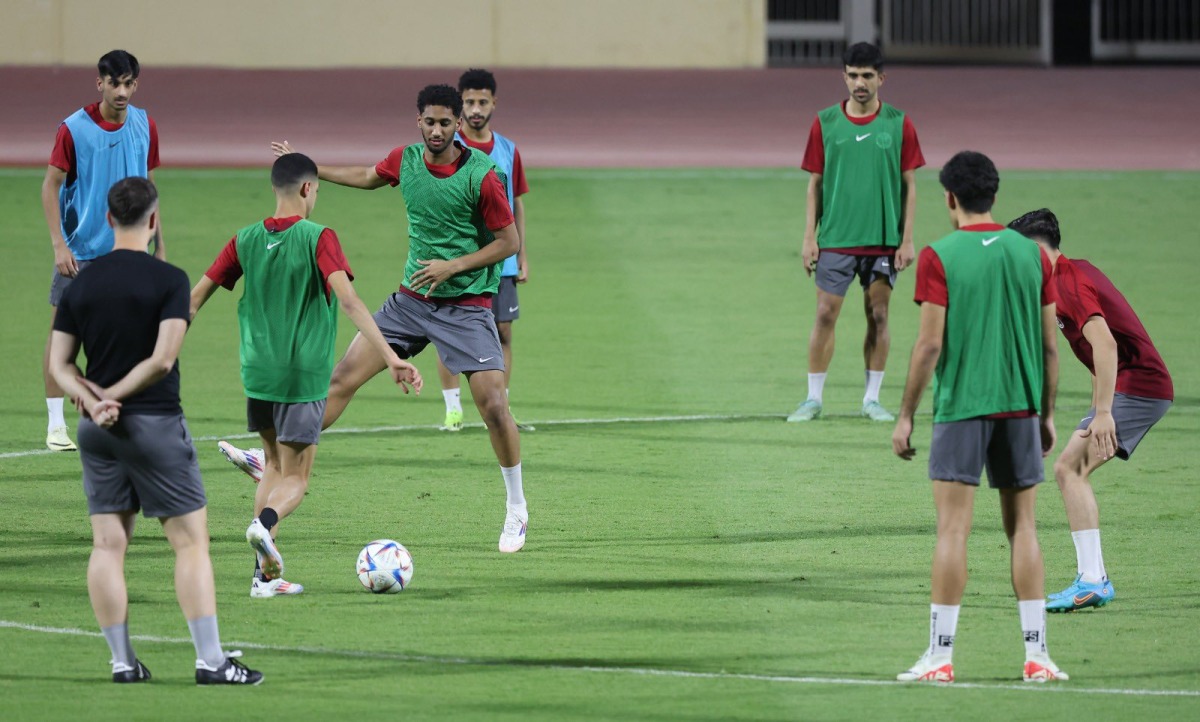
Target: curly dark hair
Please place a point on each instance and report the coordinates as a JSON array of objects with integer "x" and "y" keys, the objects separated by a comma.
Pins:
[
  {"x": 973, "y": 179},
  {"x": 477, "y": 79},
  {"x": 1042, "y": 224},
  {"x": 443, "y": 95}
]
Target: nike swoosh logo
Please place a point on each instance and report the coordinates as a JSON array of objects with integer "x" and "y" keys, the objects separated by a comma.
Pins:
[
  {"x": 513, "y": 309},
  {"x": 988, "y": 241},
  {"x": 110, "y": 145},
  {"x": 1084, "y": 599},
  {"x": 485, "y": 360},
  {"x": 884, "y": 264},
  {"x": 841, "y": 140},
  {"x": 272, "y": 245},
  {"x": 862, "y": 137}
]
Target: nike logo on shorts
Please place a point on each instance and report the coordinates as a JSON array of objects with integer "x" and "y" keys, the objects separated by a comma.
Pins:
[
  {"x": 513, "y": 309},
  {"x": 485, "y": 360}
]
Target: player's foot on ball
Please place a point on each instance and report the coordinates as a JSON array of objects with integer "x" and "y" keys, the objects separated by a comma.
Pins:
[
  {"x": 248, "y": 460},
  {"x": 1040, "y": 668},
  {"x": 929, "y": 668},
  {"x": 453, "y": 422},
  {"x": 512, "y": 537},
  {"x": 57, "y": 440},
  {"x": 124, "y": 674},
  {"x": 230, "y": 672},
  {"x": 874, "y": 411},
  {"x": 263, "y": 588},
  {"x": 521, "y": 425},
  {"x": 1081, "y": 595},
  {"x": 807, "y": 411},
  {"x": 269, "y": 557}
]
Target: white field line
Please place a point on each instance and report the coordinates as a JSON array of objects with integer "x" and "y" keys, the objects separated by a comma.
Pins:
[
  {"x": 477, "y": 425},
  {"x": 1063, "y": 688}
]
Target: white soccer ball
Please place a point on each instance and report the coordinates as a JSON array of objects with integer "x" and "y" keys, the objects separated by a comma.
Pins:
[{"x": 385, "y": 567}]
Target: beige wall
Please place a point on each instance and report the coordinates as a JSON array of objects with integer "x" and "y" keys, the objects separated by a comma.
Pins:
[{"x": 327, "y": 33}]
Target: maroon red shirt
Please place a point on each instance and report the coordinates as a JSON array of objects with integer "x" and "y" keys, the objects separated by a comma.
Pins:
[
  {"x": 226, "y": 270},
  {"x": 62, "y": 155},
  {"x": 1083, "y": 292},
  {"x": 493, "y": 196}
]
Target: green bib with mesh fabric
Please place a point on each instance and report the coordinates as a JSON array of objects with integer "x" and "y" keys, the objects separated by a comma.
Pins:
[
  {"x": 444, "y": 221},
  {"x": 991, "y": 361},
  {"x": 861, "y": 190},
  {"x": 287, "y": 325}
]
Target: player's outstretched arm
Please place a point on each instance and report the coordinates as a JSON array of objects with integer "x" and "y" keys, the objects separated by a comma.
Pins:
[
  {"x": 925, "y": 354},
  {"x": 64, "y": 260},
  {"x": 433, "y": 273},
  {"x": 201, "y": 292},
  {"x": 809, "y": 251},
  {"x": 152, "y": 370},
  {"x": 1049, "y": 376},
  {"x": 403, "y": 373},
  {"x": 64, "y": 349},
  {"x": 355, "y": 176}
]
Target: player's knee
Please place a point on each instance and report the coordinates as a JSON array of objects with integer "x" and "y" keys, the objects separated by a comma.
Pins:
[
  {"x": 493, "y": 408},
  {"x": 877, "y": 316},
  {"x": 1066, "y": 471},
  {"x": 110, "y": 543},
  {"x": 827, "y": 314}
]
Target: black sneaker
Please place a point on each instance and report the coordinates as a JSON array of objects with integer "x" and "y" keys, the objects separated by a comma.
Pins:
[
  {"x": 231, "y": 672},
  {"x": 138, "y": 673}
]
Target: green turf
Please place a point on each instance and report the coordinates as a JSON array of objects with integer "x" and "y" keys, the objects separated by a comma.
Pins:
[{"x": 751, "y": 551}]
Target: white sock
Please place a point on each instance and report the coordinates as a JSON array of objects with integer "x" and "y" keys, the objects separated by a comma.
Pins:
[
  {"x": 943, "y": 620},
  {"x": 1033, "y": 625},
  {"x": 816, "y": 387},
  {"x": 512, "y": 483},
  {"x": 874, "y": 382},
  {"x": 55, "y": 407},
  {"x": 1088, "y": 556},
  {"x": 453, "y": 399}
]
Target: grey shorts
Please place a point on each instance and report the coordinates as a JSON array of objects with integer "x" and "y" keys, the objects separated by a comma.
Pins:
[
  {"x": 293, "y": 423},
  {"x": 505, "y": 307},
  {"x": 1134, "y": 416},
  {"x": 465, "y": 336},
  {"x": 1011, "y": 449},
  {"x": 835, "y": 271},
  {"x": 59, "y": 283},
  {"x": 142, "y": 462}
]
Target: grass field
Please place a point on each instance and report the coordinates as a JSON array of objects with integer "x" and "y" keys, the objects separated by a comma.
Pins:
[{"x": 730, "y": 567}]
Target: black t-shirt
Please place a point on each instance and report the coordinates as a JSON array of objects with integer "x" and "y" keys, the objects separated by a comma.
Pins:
[{"x": 114, "y": 307}]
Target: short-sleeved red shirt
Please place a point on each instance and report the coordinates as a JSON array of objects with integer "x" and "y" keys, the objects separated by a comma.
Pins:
[
  {"x": 1083, "y": 292},
  {"x": 493, "y": 196},
  {"x": 62, "y": 155},
  {"x": 226, "y": 270},
  {"x": 520, "y": 185}
]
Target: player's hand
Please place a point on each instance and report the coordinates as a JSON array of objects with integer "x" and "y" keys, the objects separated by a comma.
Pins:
[
  {"x": 65, "y": 263},
  {"x": 522, "y": 271},
  {"x": 1103, "y": 433},
  {"x": 405, "y": 375},
  {"x": 1048, "y": 436},
  {"x": 281, "y": 148},
  {"x": 904, "y": 255},
  {"x": 902, "y": 439},
  {"x": 105, "y": 412},
  {"x": 432, "y": 274},
  {"x": 809, "y": 252}
]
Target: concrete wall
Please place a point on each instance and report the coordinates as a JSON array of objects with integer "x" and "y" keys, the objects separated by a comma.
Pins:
[{"x": 388, "y": 33}]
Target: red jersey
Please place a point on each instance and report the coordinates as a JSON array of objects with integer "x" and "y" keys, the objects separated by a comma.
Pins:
[
  {"x": 493, "y": 196},
  {"x": 226, "y": 270},
  {"x": 62, "y": 156},
  {"x": 1083, "y": 292}
]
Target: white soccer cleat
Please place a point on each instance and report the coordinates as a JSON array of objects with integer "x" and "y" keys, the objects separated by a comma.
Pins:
[
  {"x": 512, "y": 537},
  {"x": 270, "y": 560},
  {"x": 57, "y": 440},
  {"x": 263, "y": 588},
  {"x": 248, "y": 460},
  {"x": 929, "y": 668},
  {"x": 1040, "y": 668}
]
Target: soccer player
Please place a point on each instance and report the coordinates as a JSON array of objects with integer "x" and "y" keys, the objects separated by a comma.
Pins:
[
  {"x": 1131, "y": 391},
  {"x": 96, "y": 146},
  {"x": 987, "y": 337},
  {"x": 294, "y": 269},
  {"x": 129, "y": 311},
  {"x": 478, "y": 88},
  {"x": 862, "y": 193},
  {"x": 460, "y": 229}
]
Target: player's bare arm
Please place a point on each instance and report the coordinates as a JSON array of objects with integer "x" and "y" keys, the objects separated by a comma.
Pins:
[
  {"x": 403, "y": 373},
  {"x": 64, "y": 260},
  {"x": 64, "y": 350},
  {"x": 201, "y": 292},
  {"x": 1103, "y": 429},
  {"x": 1049, "y": 376},
  {"x": 160, "y": 249},
  {"x": 812, "y": 212},
  {"x": 925, "y": 354},
  {"x": 519, "y": 219},
  {"x": 152, "y": 370},
  {"x": 352, "y": 176},
  {"x": 907, "y": 250},
  {"x": 434, "y": 273}
]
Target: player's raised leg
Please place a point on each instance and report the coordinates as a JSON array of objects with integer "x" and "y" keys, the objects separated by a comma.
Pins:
[
  {"x": 360, "y": 364},
  {"x": 1072, "y": 471},
  {"x": 487, "y": 388}
]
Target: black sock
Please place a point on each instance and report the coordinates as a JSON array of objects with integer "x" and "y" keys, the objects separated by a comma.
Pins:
[{"x": 269, "y": 518}]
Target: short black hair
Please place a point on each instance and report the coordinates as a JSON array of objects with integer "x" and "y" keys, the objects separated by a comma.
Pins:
[
  {"x": 973, "y": 179},
  {"x": 442, "y": 95},
  {"x": 292, "y": 169},
  {"x": 863, "y": 55},
  {"x": 130, "y": 200},
  {"x": 1042, "y": 224},
  {"x": 117, "y": 64},
  {"x": 477, "y": 79}
]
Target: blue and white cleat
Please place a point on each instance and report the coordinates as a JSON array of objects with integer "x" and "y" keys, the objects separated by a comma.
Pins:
[{"x": 1081, "y": 595}]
